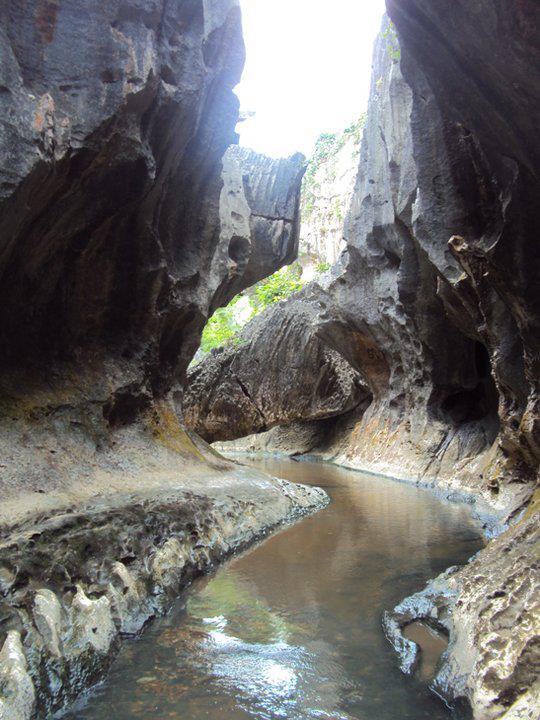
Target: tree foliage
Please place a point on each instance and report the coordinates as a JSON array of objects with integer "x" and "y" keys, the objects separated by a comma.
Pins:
[
  {"x": 225, "y": 324},
  {"x": 322, "y": 267},
  {"x": 392, "y": 44},
  {"x": 275, "y": 288},
  {"x": 221, "y": 328}
]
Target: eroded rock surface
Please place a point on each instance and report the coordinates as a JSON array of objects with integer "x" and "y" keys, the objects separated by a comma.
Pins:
[
  {"x": 415, "y": 310},
  {"x": 72, "y": 582},
  {"x": 123, "y": 227},
  {"x": 278, "y": 371},
  {"x": 491, "y": 611},
  {"x": 326, "y": 195}
]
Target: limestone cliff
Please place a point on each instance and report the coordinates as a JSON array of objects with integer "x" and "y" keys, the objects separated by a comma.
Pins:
[
  {"x": 402, "y": 305},
  {"x": 326, "y": 195},
  {"x": 121, "y": 228}
]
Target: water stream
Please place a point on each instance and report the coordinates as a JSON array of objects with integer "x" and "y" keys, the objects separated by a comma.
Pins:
[{"x": 292, "y": 628}]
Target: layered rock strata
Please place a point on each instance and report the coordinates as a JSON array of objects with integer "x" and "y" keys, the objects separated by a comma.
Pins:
[{"x": 124, "y": 223}]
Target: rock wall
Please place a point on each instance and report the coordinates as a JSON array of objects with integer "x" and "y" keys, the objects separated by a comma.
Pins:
[
  {"x": 121, "y": 227},
  {"x": 124, "y": 223},
  {"x": 410, "y": 303}
]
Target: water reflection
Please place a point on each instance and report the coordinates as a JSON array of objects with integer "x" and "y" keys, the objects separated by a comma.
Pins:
[{"x": 292, "y": 628}]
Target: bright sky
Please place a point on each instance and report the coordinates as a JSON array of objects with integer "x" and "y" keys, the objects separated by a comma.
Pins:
[{"x": 308, "y": 70}]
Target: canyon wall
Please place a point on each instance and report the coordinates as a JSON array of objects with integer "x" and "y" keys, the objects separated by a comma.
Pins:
[
  {"x": 326, "y": 195},
  {"x": 125, "y": 221},
  {"x": 414, "y": 307},
  {"x": 435, "y": 304}
]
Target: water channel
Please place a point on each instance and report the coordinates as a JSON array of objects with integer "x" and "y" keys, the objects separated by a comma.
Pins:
[{"x": 292, "y": 628}]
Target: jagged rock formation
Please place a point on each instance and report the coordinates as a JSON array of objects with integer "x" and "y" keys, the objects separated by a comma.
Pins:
[
  {"x": 122, "y": 228},
  {"x": 73, "y": 580},
  {"x": 435, "y": 302},
  {"x": 113, "y": 251},
  {"x": 398, "y": 307},
  {"x": 281, "y": 373}
]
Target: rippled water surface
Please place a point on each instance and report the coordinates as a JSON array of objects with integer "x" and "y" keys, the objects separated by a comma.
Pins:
[{"x": 292, "y": 628}]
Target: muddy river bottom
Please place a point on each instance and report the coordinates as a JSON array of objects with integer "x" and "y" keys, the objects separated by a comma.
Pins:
[{"x": 292, "y": 628}]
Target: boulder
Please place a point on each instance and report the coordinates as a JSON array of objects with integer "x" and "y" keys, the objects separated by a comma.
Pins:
[{"x": 277, "y": 371}]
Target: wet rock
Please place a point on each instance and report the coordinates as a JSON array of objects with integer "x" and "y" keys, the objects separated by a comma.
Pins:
[
  {"x": 17, "y": 695},
  {"x": 91, "y": 624},
  {"x": 490, "y": 609},
  {"x": 49, "y": 620},
  {"x": 85, "y": 577},
  {"x": 168, "y": 564},
  {"x": 127, "y": 596}
]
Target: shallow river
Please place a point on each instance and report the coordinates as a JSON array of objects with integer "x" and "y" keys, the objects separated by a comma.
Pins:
[{"x": 292, "y": 628}]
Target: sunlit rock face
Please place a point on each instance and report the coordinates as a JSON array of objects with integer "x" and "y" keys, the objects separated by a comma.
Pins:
[
  {"x": 326, "y": 196},
  {"x": 435, "y": 304},
  {"x": 419, "y": 303}
]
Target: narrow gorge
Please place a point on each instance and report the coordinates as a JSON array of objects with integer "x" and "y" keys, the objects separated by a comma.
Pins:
[{"x": 408, "y": 362}]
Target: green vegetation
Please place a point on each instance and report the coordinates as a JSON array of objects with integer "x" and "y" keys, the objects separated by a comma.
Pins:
[
  {"x": 392, "y": 46},
  {"x": 322, "y": 267},
  {"x": 221, "y": 328},
  {"x": 277, "y": 287},
  {"x": 225, "y": 324},
  {"x": 325, "y": 152}
]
